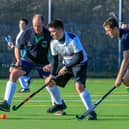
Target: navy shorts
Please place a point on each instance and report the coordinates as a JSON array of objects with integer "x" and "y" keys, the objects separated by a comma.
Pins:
[
  {"x": 78, "y": 73},
  {"x": 28, "y": 66}
]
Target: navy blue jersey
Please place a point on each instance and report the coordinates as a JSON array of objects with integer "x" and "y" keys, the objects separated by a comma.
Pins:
[
  {"x": 124, "y": 35},
  {"x": 36, "y": 46}
]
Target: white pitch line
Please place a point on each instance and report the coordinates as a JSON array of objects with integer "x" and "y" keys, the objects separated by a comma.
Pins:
[
  {"x": 96, "y": 95},
  {"x": 74, "y": 100}
]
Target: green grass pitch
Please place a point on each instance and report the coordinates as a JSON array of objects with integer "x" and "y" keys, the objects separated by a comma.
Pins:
[{"x": 113, "y": 112}]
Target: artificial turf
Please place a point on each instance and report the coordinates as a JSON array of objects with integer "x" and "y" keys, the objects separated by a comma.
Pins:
[{"x": 113, "y": 112}]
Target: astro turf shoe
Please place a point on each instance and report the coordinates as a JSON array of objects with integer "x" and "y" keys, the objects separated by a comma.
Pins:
[
  {"x": 57, "y": 107},
  {"x": 24, "y": 90},
  {"x": 92, "y": 116},
  {"x": 4, "y": 106},
  {"x": 60, "y": 113}
]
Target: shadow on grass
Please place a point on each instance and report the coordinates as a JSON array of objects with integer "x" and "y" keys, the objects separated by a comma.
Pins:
[
  {"x": 65, "y": 117},
  {"x": 43, "y": 118}
]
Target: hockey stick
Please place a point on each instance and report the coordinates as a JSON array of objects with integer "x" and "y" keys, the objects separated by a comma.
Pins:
[
  {"x": 85, "y": 114},
  {"x": 14, "y": 108}
]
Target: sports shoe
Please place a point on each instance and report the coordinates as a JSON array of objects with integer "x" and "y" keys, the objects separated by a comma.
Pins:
[
  {"x": 57, "y": 107},
  {"x": 60, "y": 113},
  {"x": 4, "y": 106},
  {"x": 92, "y": 116},
  {"x": 24, "y": 90}
]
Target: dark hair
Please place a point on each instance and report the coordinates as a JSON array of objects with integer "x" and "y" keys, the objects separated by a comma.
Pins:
[
  {"x": 25, "y": 20},
  {"x": 57, "y": 23},
  {"x": 111, "y": 22}
]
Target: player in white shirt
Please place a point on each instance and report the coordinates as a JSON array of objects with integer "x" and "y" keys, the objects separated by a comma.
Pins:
[
  {"x": 23, "y": 80},
  {"x": 74, "y": 62}
]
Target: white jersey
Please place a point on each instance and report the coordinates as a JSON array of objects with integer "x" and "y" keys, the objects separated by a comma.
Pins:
[
  {"x": 18, "y": 36},
  {"x": 16, "y": 42},
  {"x": 67, "y": 49}
]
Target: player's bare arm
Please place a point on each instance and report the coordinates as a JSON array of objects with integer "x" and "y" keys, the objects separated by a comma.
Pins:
[
  {"x": 123, "y": 68},
  {"x": 18, "y": 57}
]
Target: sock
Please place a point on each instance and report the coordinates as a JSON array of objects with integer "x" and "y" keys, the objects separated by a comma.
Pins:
[
  {"x": 86, "y": 99},
  {"x": 26, "y": 78},
  {"x": 9, "y": 91},
  {"x": 23, "y": 82},
  {"x": 52, "y": 99},
  {"x": 55, "y": 94}
]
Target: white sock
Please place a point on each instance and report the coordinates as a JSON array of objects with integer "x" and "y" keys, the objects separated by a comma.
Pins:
[
  {"x": 9, "y": 91},
  {"x": 86, "y": 99},
  {"x": 23, "y": 82},
  {"x": 55, "y": 94},
  {"x": 52, "y": 99},
  {"x": 26, "y": 78}
]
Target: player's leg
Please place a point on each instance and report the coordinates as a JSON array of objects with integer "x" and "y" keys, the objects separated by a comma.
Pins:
[
  {"x": 11, "y": 85},
  {"x": 24, "y": 85},
  {"x": 86, "y": 99},
  {"x": 54, "y": 93},
  {"x": 80, "y": 78},
  {"x": 59, "y": 107},
  {"x": 27, "y": 79},
  {"x": 52, "y": 98},
  {"x": 57, "y": 102},
  {"x": 10, "y": 89},
  {"x": 23, "y": 80}
]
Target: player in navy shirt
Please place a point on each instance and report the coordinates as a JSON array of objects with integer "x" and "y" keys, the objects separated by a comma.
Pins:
[
  {"x": 113, "y": 31},
  {"x": 35, "y": 41}
]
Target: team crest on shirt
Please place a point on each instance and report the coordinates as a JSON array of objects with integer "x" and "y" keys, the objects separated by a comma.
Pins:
[{"x": 44, "y": 44}]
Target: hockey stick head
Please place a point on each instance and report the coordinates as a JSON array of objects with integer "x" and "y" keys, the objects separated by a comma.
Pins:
[
  {"x": 80, "y": 117},
  {"x": 14, "y": 108}
]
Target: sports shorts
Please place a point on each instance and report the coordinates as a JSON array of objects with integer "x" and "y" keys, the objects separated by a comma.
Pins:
[
  {"x": 77, "y": 73},
  {"x": 28, "y": 66}
]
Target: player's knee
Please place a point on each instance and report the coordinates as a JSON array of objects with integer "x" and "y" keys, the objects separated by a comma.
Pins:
[
  {"x": 51, "y": 83},
  {"x": 79, "y": 87},
  {"x": 15, "y": 74}
]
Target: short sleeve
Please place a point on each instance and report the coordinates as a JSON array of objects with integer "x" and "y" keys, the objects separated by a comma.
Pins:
[{"x": 125, "y": 42}]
